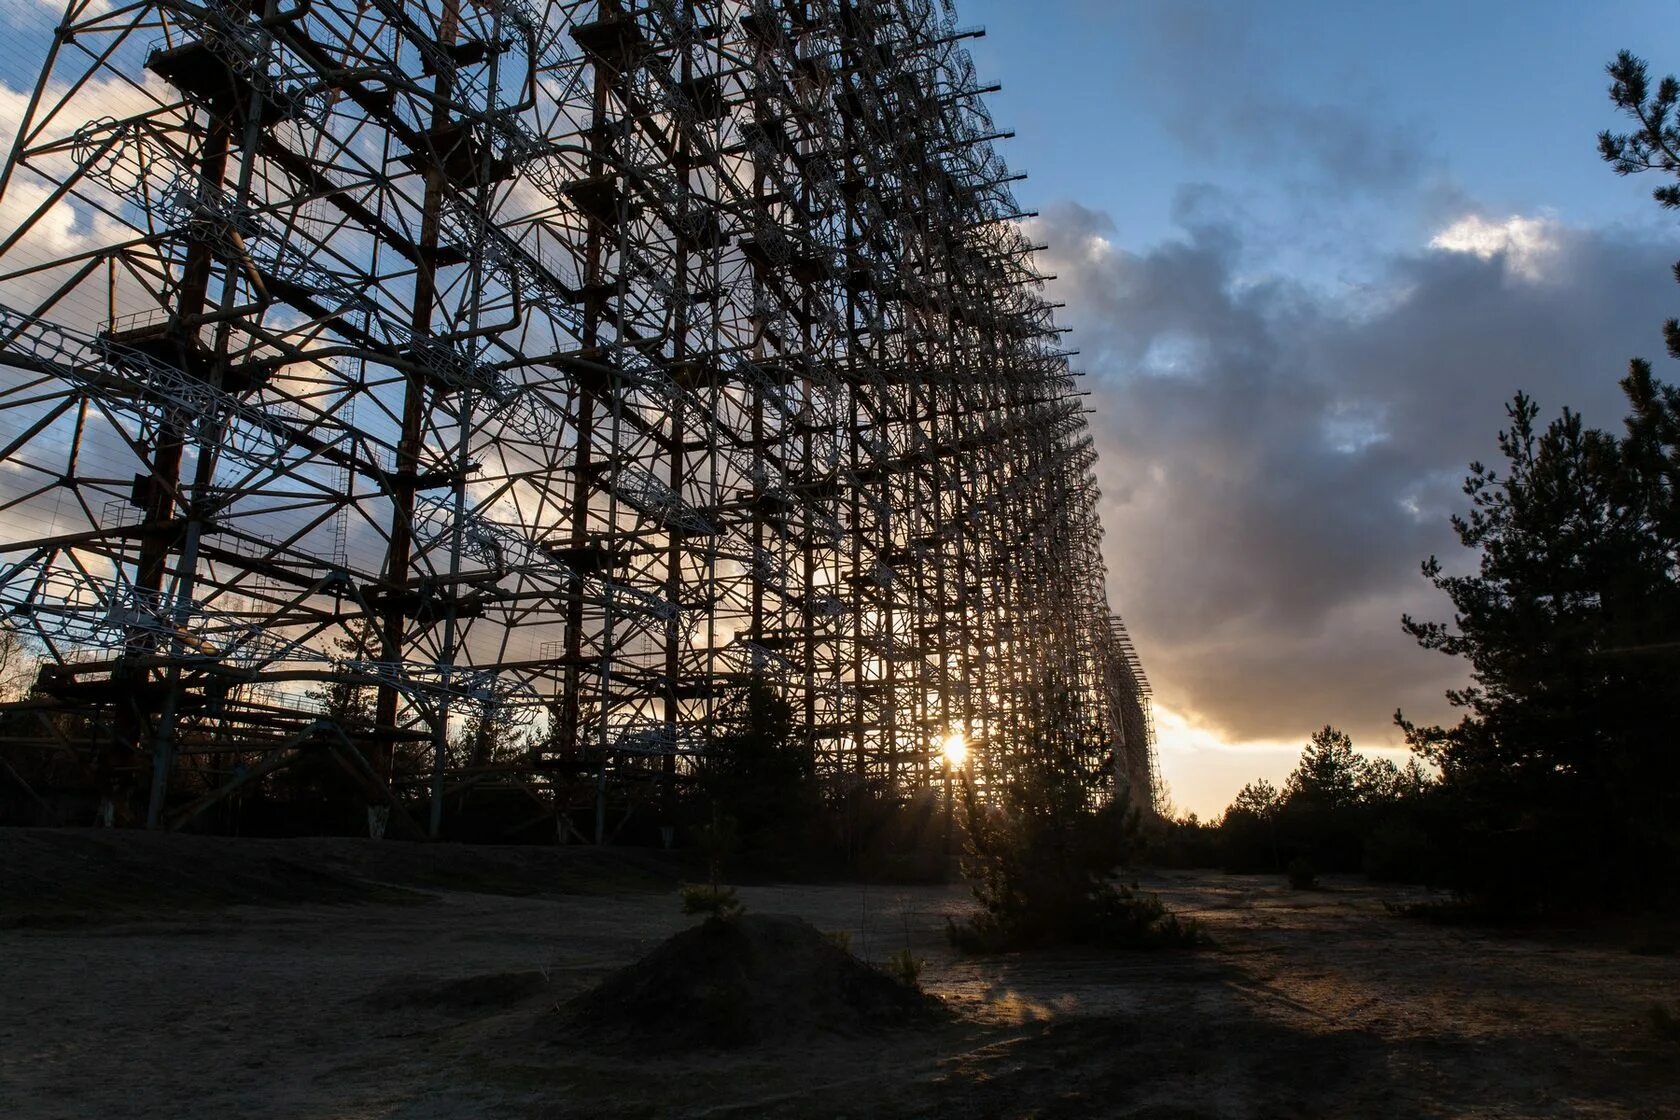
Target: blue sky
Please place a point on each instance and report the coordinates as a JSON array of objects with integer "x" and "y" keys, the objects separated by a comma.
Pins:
[
  {"x": 1118, "y": 104},
  {"x": 1308, "y": 251}
]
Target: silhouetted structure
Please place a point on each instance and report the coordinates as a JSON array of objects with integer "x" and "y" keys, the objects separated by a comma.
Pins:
[{"x": 419, "y": 378}]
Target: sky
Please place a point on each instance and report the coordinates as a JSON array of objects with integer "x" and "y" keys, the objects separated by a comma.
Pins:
[{"x": 1308, "y": 252}]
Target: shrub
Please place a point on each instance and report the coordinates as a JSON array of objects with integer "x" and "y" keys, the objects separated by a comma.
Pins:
[
  {"x": 1038, "y": 864},
  {"x": 1303, "y": 876},
  {"x": 905, "y": 967},
  {"x": 711, "y": 898},
  {"x": 717, "y": 903}
]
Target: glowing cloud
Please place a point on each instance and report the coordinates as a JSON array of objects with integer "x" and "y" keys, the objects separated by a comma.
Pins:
[{"x": 1528, "y": 245}]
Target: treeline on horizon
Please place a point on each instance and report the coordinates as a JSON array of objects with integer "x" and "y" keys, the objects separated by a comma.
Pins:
[{"x": 1558, "y": 790}]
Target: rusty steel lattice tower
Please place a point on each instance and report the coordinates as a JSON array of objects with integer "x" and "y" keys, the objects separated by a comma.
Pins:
[{"x": 396, "y": 381}]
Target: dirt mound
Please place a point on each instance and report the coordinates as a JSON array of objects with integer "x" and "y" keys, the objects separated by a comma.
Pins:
[
  {"x": 464, "y": 996},
  {"x": 733, "y": 983}
]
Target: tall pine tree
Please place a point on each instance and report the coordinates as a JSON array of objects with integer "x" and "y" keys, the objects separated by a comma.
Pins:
[{"x": 1566, "y": 764}]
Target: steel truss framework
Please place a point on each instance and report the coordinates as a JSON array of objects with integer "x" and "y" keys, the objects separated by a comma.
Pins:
[{"x": 542, "y": 364}]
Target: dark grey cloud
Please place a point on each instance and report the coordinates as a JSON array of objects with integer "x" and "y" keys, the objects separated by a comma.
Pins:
[
  {"x": 1277, "y": 460},
  {"x": 1218, "y": 91}
]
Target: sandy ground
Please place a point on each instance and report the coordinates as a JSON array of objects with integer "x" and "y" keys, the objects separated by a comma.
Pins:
[{"x": 176, "y": 977}]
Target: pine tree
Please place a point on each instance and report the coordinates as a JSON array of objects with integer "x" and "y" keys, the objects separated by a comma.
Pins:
[
  {"x": 1653, "y": 146},
  {"x": 762, "y": 773},
  {"x": 1256, "y": 799},
  {"x": 1329, "y": 772},
  {"x": 1563, "y": 764}
]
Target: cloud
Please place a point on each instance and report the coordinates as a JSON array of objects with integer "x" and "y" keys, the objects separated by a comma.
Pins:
[
  {"x": 1529, "y": 246},
  {"x": 1276, "y": 461},
  {"x": 1219, "y": 89}
]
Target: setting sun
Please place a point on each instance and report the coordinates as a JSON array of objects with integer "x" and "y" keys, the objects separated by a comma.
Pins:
[{"x": 955, "y": 749}]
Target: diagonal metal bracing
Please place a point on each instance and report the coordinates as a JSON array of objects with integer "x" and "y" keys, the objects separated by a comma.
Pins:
[{"x": 467, "y": 373}]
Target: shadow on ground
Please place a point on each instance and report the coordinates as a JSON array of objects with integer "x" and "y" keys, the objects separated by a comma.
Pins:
[{"x": 182, "y": 977}]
